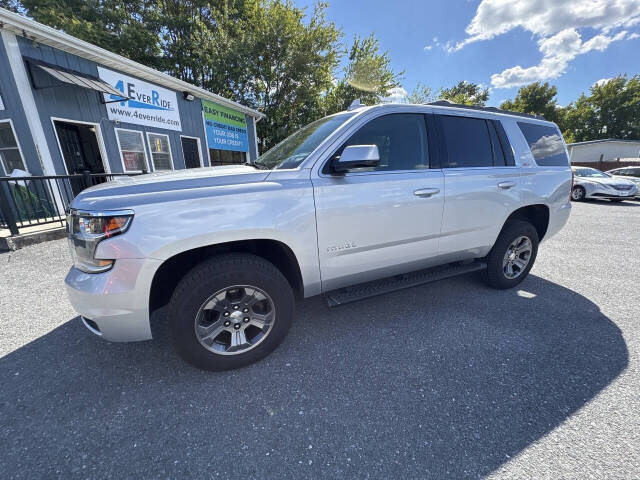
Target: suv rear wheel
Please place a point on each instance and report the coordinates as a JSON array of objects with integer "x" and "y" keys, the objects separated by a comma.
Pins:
[
  {"x": 230, "y": 311},
  {"x": 512, "y": 256}
]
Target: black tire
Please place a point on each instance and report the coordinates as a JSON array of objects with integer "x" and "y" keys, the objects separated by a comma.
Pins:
[
  {"x": 578, "y": 193},
  {"x": 211, "y": 276},
  {"x": 495, "y": 275}
]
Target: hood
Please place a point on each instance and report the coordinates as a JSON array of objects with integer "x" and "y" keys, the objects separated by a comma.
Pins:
[
  {"x": 127, "y": 192},
  {"x": 610, "y": 181}
]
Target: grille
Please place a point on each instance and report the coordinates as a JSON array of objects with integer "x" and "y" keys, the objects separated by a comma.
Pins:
[{"x": 623, "y": 187}]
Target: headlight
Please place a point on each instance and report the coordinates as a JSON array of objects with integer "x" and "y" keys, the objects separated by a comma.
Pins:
[{"x": 87, "y": 229}]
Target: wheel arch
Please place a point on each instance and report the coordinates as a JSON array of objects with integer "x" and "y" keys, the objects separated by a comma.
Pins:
[
  {"x": 537, "y": 215},
  {"x": 173, "y": 269}
]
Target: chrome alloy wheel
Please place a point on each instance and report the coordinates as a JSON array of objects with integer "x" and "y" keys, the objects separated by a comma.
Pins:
[
  {"x": 235, "y": 319},
  {"x": 517, "y": 257},
  {"x": 577, "y": 193}
]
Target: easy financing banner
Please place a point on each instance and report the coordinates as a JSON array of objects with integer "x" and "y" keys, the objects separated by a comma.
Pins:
[{"x": 226, "y": 128}]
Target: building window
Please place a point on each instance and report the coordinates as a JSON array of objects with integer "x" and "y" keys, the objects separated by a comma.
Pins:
[
  {"x": 191, "y": 151},
  {"x": 160, "y": 151},
  {"x": 132, "y": 152},
  {"x": 226, "y": 157},
  {"x": 10, "y": 155}
]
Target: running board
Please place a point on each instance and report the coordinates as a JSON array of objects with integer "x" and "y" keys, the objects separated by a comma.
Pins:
[{"x": 398, "y": 282}]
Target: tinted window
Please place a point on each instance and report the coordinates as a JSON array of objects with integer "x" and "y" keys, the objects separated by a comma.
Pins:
[
  {"x": 504, "y": 140},
  {"x": 401, "y": 139},
  {"x": 545, "y": 143},
  {"x": 498, "y": 152},
  {"x": 467, "y": 141}
]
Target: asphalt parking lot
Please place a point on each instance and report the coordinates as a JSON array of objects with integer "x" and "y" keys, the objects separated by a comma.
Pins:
[{"x": 447, "y": 380}]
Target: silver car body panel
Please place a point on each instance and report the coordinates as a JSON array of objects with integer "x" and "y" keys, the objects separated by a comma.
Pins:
[{"x": 341, "y": 229}]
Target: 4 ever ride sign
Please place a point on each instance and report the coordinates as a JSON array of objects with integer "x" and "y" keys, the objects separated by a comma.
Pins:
[
  {"x": 142, "y": 103},
  {"x": 226, "y": 128}
]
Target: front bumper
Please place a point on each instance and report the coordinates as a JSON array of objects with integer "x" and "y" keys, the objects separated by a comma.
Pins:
[
  {"x": 605, "y": 193},
  {"x": 115, "y": 304}
]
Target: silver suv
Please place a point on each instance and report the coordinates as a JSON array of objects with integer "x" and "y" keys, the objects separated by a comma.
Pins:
[{"x": 354, "y": 204}]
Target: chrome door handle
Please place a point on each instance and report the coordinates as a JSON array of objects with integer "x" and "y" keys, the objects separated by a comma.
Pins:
[
  {"x": 426, "y": 192},
  {"x": 506, "y": 185}
]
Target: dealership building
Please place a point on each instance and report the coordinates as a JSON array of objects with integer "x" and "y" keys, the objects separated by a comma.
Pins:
[{"x": 67, "y": 106}]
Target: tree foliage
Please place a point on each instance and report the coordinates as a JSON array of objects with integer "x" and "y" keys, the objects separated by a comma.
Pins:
[
  {"x": 368, "y": 76},
  {"x": 536, "y": 98},
  {"x": 421, "y": 94},
  {"x": 465, "y": 93},
  {"x": 266, "y": 54},
  {"x": 610, "y": 110}
]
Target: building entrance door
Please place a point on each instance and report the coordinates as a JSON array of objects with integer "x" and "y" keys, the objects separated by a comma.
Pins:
[{"x": 80, "y": 150}]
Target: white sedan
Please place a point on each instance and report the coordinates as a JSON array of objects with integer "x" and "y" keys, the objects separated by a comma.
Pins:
[
  {"x": 589, "y": 183},
  {"x": 628, "y": 173}
]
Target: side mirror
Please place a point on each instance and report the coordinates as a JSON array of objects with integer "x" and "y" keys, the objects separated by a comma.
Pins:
[{"x": 356, "y": 156}]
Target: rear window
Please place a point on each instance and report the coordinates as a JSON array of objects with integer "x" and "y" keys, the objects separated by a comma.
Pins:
[{"x": 545, "y": 143}]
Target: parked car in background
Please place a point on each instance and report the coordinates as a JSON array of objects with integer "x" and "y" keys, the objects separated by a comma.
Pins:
[
  {"x": 590, "y": 183},
  {"x": 628, "y": 173},
  {"x": 390, "y": 195}
]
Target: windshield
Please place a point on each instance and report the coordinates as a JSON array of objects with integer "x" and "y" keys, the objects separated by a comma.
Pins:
[
  {"x": 589, "y": 172},
  {"x": 291, "y": 152}
]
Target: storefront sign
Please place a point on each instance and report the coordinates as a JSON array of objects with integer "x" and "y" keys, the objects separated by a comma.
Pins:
[
  {"x": 147, "y": 104},
  {"x": 226, "y": 128}
]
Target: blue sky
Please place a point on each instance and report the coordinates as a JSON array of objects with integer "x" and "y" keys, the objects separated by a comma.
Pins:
[{"x": 499, "y": 43}]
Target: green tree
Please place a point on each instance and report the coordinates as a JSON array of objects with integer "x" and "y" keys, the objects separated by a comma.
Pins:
[
  {"x": 611, "y": 110},
  {"x": 121, "y": 26},
  {"x": 465, "y": 93},
  {"x": 368, "y": 76},
  {"x": 536, "y": 98},
  {"x": 288, "y": 65},
  {"x": 421, "y": 94}
]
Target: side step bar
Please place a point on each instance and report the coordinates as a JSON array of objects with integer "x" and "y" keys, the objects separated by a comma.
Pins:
[{"x": 391, "y": 284}]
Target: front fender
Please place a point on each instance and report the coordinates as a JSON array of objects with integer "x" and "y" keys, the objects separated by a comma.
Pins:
[{"x": 283, "y": 211}]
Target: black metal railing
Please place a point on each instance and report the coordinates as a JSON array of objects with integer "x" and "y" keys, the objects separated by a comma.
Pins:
[{"x": 42, "y": 200}]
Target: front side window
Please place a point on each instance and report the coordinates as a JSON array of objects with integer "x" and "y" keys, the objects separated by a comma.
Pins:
[
  {"x": 160, "y": 151},
  {"x": 545, "y": 143},
  {"x": 9, "y": 151},
  {"x": 467, "y": 141},
  {"x": 132, "y": 152},
  {"x": 401, "y": 139}
]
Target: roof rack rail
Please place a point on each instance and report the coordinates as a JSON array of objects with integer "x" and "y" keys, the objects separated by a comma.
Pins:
[{"x": 447, "y": 103}]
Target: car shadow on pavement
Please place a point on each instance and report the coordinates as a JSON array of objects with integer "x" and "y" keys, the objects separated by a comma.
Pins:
[{"x": 448, "y": 380}]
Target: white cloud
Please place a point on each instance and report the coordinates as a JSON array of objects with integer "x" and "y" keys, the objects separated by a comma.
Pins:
[
  {"x": 601, "y": 82},
  {"x": 557, "y": 51},
  {"x": 556, "y": 24},
  {"x": 396, "y": 95},
  {"x": 428, "y": 47}
]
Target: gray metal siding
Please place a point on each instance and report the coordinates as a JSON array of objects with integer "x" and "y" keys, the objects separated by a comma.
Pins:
[
  {"x": 14, "y": 111},
  {"x": 80, "y": 104}
]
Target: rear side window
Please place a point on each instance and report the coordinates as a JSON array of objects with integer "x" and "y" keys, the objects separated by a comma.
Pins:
[
  {"x": 545, "y": 143},
  {"x": 467, "y": 141}
]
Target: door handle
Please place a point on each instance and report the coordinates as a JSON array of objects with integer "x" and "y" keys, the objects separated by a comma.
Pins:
[
  {"x": 506, "y": 185},
  {"x": 426, "y": 192}
]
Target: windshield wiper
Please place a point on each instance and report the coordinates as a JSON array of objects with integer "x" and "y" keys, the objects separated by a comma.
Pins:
[{"x": 258, "y": 165}]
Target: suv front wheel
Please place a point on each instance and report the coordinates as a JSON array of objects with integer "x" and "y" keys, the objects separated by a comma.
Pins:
[
  {"x": 512, "y": 256},
  {"x": 230, "y": 311}
]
